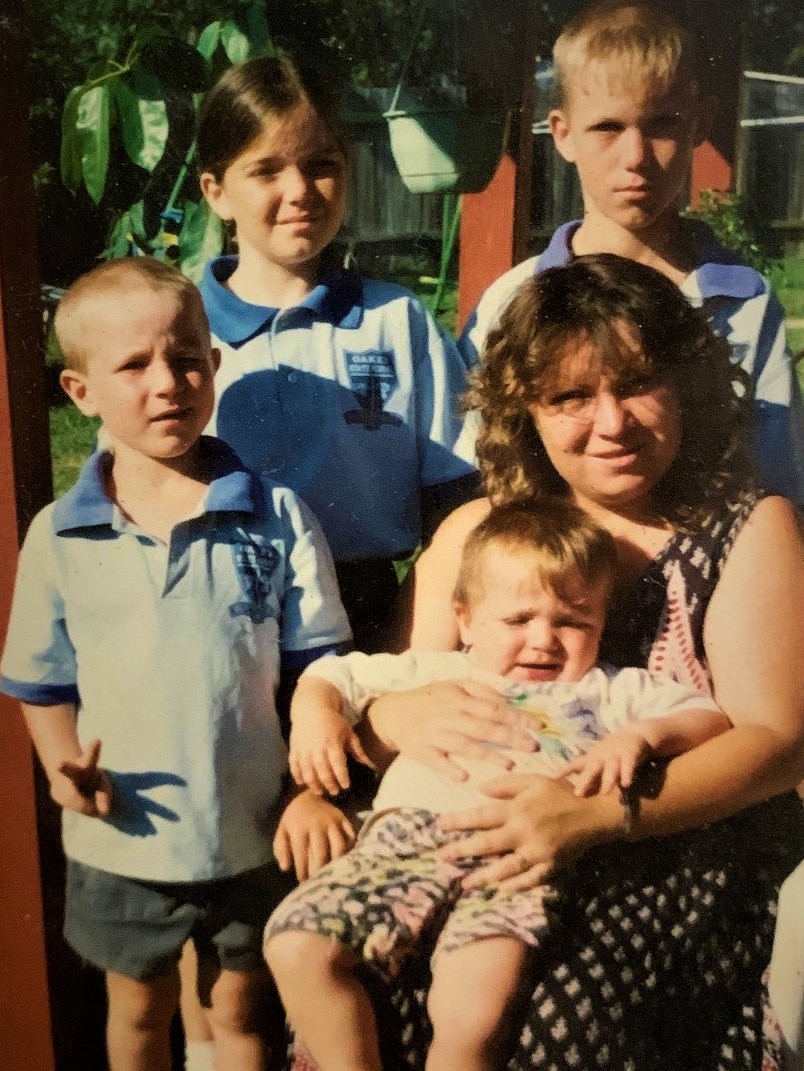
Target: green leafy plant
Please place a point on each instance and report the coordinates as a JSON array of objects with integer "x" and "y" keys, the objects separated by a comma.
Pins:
[
  {"x": 128, "y": 137},
  {"x": 733, "y": 223}
]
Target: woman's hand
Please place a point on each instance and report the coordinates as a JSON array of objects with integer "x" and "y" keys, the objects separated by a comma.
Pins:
[
  {"x": 449, "y": 718},
  {"x": 311, "y": 832},
  {"x": 536, "y": 826}
]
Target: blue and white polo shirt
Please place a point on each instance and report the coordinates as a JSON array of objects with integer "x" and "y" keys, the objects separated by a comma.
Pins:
[
  {"x": 171, "y": 654},
  {"x": 741, "y": 307},
  {"x": 350, "y": 398}
]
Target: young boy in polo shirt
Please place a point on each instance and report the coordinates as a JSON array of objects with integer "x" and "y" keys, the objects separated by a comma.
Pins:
[
  {"x": 156, "y": 605},
  {"x": 629, "y": 113}
]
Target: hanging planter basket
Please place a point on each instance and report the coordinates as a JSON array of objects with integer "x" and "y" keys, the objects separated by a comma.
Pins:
[
  {"x": 440, "y": 142},
  {"x": 447, "y": 150}
]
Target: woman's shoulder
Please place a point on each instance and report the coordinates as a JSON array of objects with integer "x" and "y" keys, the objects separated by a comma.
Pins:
[
  {"x": 457, "y": 525},
  {"x": 759, "y": 513},
  {"x": 767, "y": 526}
]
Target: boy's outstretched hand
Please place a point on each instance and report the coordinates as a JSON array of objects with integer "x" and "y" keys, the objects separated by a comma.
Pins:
[
  {"x": 319, "y": 744},
  {"x": 311, "y": 832},
  {"x": 611, "y": 762},
  {"x": 83, "y": 786}
]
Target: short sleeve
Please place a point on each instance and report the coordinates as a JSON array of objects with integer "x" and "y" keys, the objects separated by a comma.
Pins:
[
  {"x": 634, "y": 694},
  {"x": 440, "y": 379},
  {"x": 313, "y": 620},
  {"x": 39, "y": 664}
]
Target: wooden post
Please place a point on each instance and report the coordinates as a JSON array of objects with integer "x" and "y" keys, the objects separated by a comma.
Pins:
[
  {"x": 722, "y": 28},
  {"x": 495, "y": 223},
  {"x": 25, "y": 484}
]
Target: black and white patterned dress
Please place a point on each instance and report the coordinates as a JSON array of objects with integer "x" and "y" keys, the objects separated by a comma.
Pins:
[{"x": 659, "y": 957}]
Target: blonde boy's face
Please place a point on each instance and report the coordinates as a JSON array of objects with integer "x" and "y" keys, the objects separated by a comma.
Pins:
[
  {"x": 286, "y": 192},
  {"x": 632, "y": 145},
  {"x": 149, "y": 370},
  {"x": 522, "y": 630}
]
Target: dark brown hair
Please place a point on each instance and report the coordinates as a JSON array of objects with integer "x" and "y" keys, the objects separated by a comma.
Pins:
[
  {"x": 590, "y": 300},
  {"x": 233, "y": 112}
]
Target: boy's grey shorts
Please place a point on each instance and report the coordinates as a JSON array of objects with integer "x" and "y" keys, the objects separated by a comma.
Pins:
[{"x": 138, "y": 928}]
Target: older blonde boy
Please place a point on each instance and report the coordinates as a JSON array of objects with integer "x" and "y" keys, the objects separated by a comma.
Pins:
[
  {"x": 155, "y": 606},
  {"x": 629, "y": 111}
]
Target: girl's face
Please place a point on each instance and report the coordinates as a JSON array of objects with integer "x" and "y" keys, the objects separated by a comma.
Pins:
[
  {"x": 610, "y": 438},
  {"x": 286, "y": 191}
]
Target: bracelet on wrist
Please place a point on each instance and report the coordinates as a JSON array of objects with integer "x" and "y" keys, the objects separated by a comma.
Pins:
[{"x": 629, "y": 800}]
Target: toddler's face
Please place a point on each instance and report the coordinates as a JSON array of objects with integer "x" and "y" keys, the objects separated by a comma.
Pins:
[
  {"x": 632, "y": 145},
  {"x": 286, "y": 192},
  {"x": 149, "y": 373},
  {"x": 520, "y": 629}
]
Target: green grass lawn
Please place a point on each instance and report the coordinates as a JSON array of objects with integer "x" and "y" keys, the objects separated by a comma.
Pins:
[
  {"x": 72, "y": 440},
  {"x": 788, "y": 280}
]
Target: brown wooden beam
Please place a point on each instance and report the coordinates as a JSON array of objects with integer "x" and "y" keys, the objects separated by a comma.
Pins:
[
  {"x": 722, "y": 27},
  {"x": 25, "y": 485},
  {"x": 495, "y": 223}
]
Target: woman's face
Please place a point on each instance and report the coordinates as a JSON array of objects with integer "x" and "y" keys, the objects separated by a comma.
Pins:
[{"x": 610, "y": 437}]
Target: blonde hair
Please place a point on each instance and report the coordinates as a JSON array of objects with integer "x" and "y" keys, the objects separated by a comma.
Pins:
[
  {"x": 639, "y": 42},
  {"x": 566, "y": 545},
  {"x": 88, "y": 295},
  {"x": 589, "y": 301}
]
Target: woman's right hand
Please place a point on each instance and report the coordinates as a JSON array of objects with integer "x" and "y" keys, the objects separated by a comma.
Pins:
[{"x": 440, "y": 722}]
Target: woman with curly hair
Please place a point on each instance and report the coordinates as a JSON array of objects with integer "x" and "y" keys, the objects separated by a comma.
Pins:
[{"x": 602, "y": 384}]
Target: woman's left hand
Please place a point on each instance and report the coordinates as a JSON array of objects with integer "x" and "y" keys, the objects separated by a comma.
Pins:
[{"x": 536, "y": 826}]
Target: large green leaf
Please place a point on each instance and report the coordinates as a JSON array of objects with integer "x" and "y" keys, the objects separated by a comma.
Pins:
[
  {"x": 234, "y": 42},
  {"x": 200, "y": 239},
  {"x": 177, "y": 65},
  {"x": 71, "y": 174},
  {"x": 209, "y": 39},
  {"x": 92, "y": 125},
  {"x": 143, "y": 117},
  {"x": 257, "y": 29}
]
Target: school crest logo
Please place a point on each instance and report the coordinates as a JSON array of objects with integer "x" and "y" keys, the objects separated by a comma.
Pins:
[
  {"x": 255, "y": 564},
  {"x": 372, "y": 377}
]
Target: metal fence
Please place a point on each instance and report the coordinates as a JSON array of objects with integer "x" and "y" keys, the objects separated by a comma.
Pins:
[
  {"x": 381, "y": 208},
  {"x": 770, "y": 169}
]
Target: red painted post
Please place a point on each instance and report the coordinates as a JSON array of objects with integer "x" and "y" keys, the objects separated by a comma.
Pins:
[
  {"x": 722, "y": 28},
  {"x": 496, "y": 222},
  {"x": 26, "y": 1040}
]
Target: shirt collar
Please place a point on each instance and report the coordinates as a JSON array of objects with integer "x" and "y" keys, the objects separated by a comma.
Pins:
[
  {"x": 337, "y": 299},
  {"x": 559, "y": 251},
  {"x": 232, "y": 489},
  {"x": 718, "y": 271}
]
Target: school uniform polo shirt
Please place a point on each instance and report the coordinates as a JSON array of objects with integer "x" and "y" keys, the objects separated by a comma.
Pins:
[
  {"x": 171, "y": 654},
  {"x": 741, "y": 307},
  {"x": 350, "y": 398}
]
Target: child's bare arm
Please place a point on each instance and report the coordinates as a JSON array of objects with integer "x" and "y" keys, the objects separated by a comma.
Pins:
[
  {"x": 613, "y": 761},
  {"x": 77, "y": 782},
  {"x": 321, "y": 737}
]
